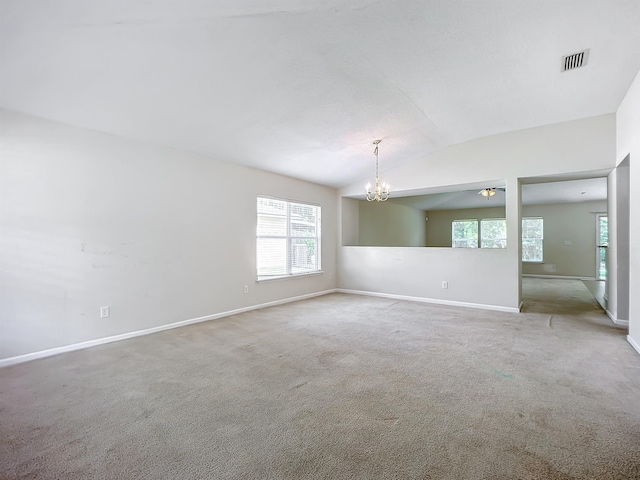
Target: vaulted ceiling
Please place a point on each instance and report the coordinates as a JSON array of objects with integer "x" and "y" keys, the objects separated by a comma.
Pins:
[{"x": 302, "y": 88}]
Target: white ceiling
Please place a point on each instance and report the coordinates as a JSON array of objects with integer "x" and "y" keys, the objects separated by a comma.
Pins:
[
  {"x": 302, "y": 88},
  {"x": 567, "y": 191}
]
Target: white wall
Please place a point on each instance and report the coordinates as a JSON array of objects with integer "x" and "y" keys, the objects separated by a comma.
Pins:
[
  {"x": 159, "y": 235},
  {"x": 628, "y": 144},
  {"x": 572, "y": 222},
  {"x": 577, "y": 146},
  {"x": 419, "y": 273},
  {"x": 618, "y": 184},
  {"x": 611, "y": 285}
]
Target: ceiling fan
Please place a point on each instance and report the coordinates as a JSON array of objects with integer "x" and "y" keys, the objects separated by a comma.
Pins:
[{"x": 489, "y": 192}]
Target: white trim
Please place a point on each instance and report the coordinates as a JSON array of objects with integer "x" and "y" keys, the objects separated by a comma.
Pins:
[
  {"x": 285, "y": 277},
  {"x": 520, "y": 306},
  {"x": 564, "y": 277},
  {"x": 438, "y": 301},
  {"x": 624, "y": 323},
  {"x": 633, "y": 343},
  {"x": 5, "y": 362}
]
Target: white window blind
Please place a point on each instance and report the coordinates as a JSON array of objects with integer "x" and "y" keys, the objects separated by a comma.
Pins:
[{"x": 288, "y": 238}]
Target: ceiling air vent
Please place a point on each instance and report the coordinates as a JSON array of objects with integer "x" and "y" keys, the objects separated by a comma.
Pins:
[{"x": 577, "y": 60}]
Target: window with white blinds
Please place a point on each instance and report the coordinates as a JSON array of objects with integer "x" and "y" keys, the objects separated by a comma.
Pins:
[{"x": 288, "y": 238}]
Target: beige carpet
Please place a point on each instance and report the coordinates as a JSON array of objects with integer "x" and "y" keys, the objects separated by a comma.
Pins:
[{"x": 339, "y": 387}]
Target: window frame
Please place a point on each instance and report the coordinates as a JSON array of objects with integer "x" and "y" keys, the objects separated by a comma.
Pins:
[
  {"x": 481, "y": 231},
  {"x": 289, "y": 238},
  {"x": 522, "y": 237},
  {"x": 465, "y": 220},
  {"x": 541, "y": 239}
]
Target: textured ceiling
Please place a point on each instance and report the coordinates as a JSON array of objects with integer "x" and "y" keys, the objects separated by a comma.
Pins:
[{"x": 302, "y": 88}]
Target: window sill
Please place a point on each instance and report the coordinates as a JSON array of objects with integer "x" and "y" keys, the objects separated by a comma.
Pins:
[
  {"x": 532, "y": 261},
  {"x": 285, "y": 277}
]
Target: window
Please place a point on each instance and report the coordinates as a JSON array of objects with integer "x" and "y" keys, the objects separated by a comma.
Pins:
[
  {"x": 602, "y": 243},
  {"x": 532, "y": 239},
  {"x": 493, "y": 233},
  {"x": 464, "y": 234},
  {"x": 288, "y": 238}
]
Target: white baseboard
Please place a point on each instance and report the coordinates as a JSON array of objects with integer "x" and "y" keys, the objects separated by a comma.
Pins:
[
  {"x": 633, "y": 343},
  {"x": 624, "y": 323},
  {"x": 563, "y": 277},
  {"x": 437, "y": 301},
  {"x": 5, "y": 362}
]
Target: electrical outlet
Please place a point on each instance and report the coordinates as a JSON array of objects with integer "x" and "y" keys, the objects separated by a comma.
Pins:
[
  {"x": 445, "y": 284},
  {"x": 105, "y": 312},
  {"x": 246, "y": 289}
]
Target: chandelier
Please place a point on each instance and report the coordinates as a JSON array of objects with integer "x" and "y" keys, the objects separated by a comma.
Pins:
[{"x": 380, "y": 193}]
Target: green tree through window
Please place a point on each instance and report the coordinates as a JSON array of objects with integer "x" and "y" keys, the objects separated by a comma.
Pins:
[
  {"x": 464, "y": 234},
  {"x": 493, "y": 233},
  {"x": 603, "y": 243}
]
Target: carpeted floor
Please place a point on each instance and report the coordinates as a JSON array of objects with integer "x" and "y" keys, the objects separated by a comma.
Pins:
[{"x": 339, "y": 387}]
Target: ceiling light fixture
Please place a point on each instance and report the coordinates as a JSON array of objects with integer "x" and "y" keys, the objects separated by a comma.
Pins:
[
  {"x": 487, "y": 192},
  {"x": 381, "y": 191}
]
